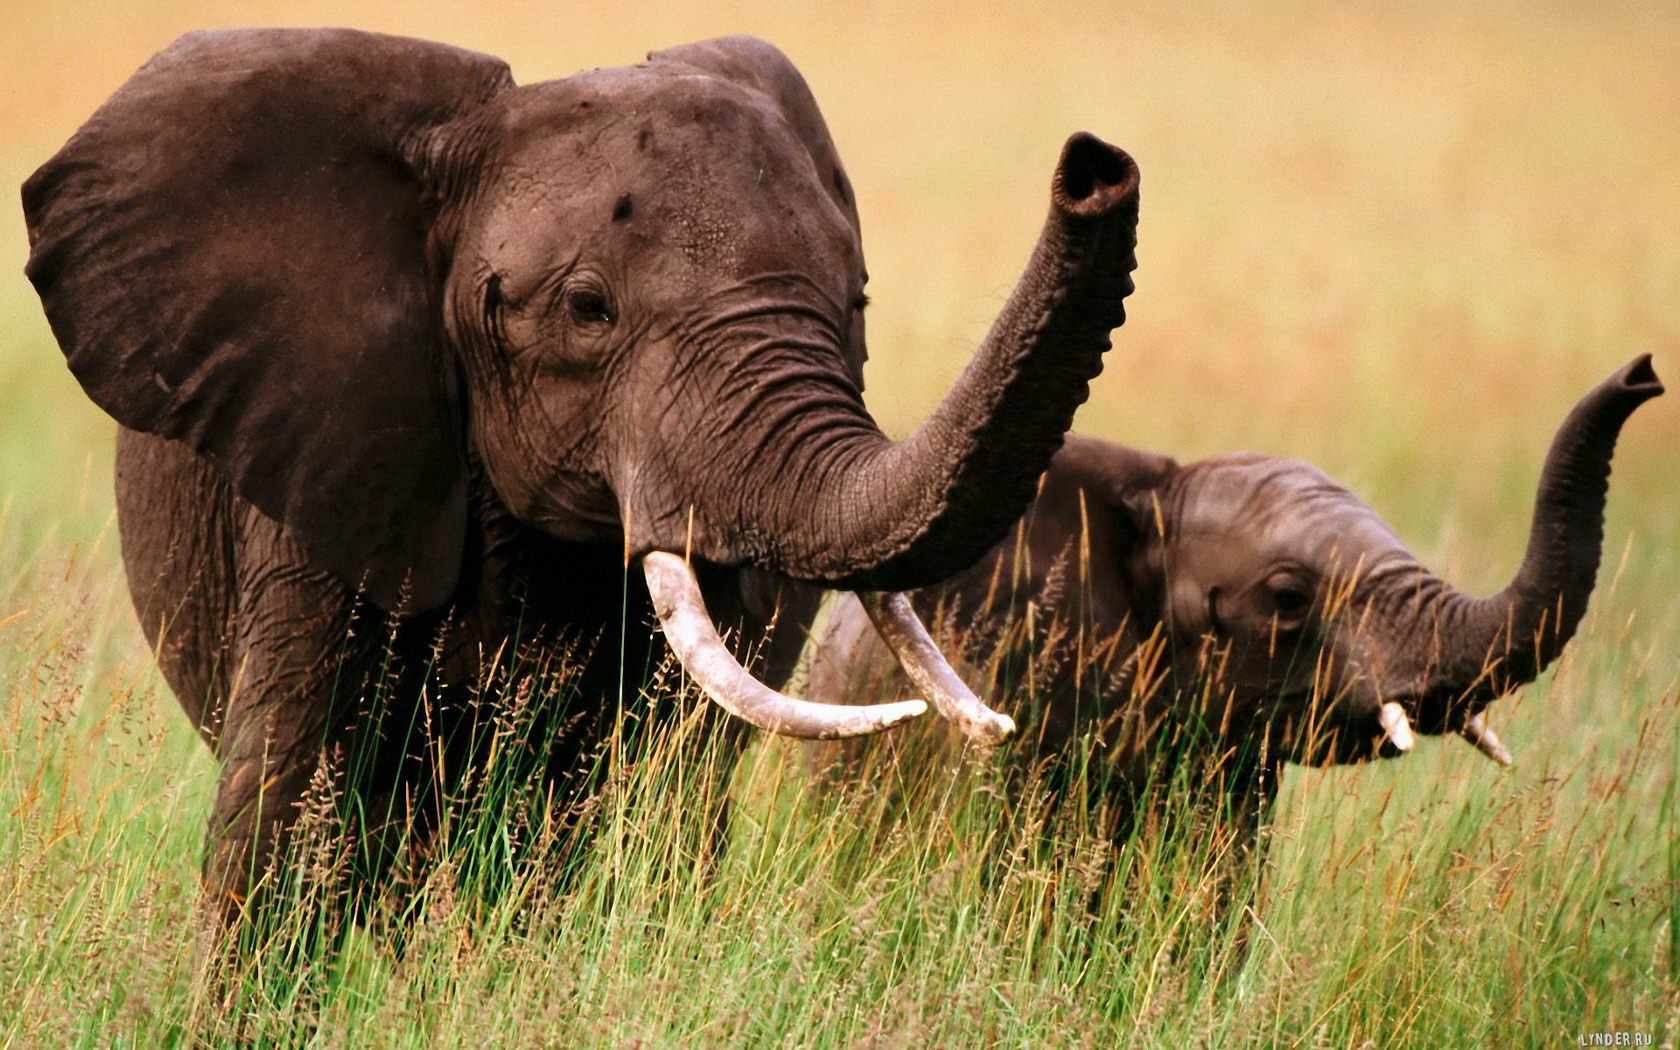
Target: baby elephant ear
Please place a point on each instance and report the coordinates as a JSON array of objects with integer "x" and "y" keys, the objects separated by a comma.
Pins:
[
  {"x": 1127, "y": 479},
  {"x": 232, "y": 253},
  {"x": 753, "y": 63}
]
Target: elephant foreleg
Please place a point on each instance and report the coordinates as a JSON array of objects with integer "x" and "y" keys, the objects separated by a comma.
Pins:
[{"x": 287, "y": 664}]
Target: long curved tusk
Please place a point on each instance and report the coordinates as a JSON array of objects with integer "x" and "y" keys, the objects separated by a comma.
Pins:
[
  {"x": 902, "y": 630},
  {"x": 1477, "y": 732},
  {"x": 1394, "y": 726},
  {"x": 691, "y": 635}
]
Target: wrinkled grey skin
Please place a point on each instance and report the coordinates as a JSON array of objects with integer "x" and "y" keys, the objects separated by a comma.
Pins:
[
  {"x": 410, "y": 362},
  {"x": 1213, "y": 620}
]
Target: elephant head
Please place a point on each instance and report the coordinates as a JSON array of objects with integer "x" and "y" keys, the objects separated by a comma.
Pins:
[
  {"x": 1308, "y": 606},
  {"x": 357, "y": 272},
  {"x": 1260, "y": 600}
]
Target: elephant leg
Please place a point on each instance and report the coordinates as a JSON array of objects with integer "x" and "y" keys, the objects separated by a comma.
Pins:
[
  {"x": 287, "y": 659},
  {"x": 724, "y": 740},
  {"x": 774, "y": 617},
  {"x": 700, "y": 758},
  {"x": 1213, "y": 817},
  {"x": 250, "y": 641}
]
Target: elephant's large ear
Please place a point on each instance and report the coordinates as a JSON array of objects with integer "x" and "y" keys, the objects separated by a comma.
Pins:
[
  {"x": 752, "y": 63},
  {"x": 232, "y": 253},
  {"x": 1123, "y": 478}
]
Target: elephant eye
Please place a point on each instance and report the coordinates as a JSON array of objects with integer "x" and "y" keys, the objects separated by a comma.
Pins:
[
  {"x": 1291, "y": 601},
  {"x": 589, "y": 307}
]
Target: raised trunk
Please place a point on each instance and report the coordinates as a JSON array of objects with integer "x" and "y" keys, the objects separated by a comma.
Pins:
[
  {"x": 872, "y": 514},
  {"x": 1507, "y": 639}
]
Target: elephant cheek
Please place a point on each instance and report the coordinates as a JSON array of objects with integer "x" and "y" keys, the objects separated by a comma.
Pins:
[
  {"x": 1325, "y": 701},
  {"x": 561, "y": 496}
]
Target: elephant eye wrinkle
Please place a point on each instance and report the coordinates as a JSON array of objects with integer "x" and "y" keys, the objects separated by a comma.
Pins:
[{"x": 623, "y": 209}]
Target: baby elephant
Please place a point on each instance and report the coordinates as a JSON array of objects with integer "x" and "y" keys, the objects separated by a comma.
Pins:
[{"x": 1206, "y": 623}]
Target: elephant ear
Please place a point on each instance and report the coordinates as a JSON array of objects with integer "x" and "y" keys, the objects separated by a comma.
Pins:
[
  {"x": 1126, "y": 479},
  {"x": 232, "y": 254},
  {"x": 753, "y": 63}
]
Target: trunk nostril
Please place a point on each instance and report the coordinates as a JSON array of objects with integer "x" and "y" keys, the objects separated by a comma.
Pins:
[
  {"x": 1641, "y": 377},
  {"x": 1093, "y": 176}
]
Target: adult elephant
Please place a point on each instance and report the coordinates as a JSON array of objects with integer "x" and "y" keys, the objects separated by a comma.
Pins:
[
  {"x": 389, "y": 336},
  {"x": 1199, "y": 625}
]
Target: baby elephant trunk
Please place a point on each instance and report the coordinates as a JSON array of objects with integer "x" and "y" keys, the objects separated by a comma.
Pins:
[{"x": 1508, "y": 638}]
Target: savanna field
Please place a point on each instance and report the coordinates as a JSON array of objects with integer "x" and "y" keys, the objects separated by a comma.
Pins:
[{"x": 1396, "y": 240}]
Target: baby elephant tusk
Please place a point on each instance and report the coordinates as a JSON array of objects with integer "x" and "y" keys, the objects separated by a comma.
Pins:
[
  {"x": 902, "y": 630},
  {"x": 1394, "y": 726},
  {"x": 1477, "y": 732},
  {"x": 691, "y": 635}
]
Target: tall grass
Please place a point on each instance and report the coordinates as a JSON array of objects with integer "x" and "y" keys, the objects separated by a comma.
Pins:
[
  {"x": 1422, "y": 902},
  {"x": 1396, "y": 240}
]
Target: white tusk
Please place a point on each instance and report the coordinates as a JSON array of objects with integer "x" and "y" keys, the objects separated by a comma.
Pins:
[
  {"x": 691, "y": 635},
  {"x": 1477, "y": 732},
  {"x": 1394, "y": 726},
  {"x": 902, "y": 630}
]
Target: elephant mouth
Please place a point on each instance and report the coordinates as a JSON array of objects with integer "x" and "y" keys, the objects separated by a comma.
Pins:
[
  {"x": 1344, "y": 729},
  {"x": 1395, "y": 726},
  {"x": 689, "y": 630},
  {"x": 1437, "y": 709},
  {"x": 1339, "y": 731}
]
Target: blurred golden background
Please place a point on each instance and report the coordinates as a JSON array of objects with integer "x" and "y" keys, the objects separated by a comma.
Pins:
[{"x": 1395, "y": 239}]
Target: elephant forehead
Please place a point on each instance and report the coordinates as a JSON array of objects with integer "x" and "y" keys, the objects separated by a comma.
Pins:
[
  {"x": 1282, "y": 510},
  {"x": 714, "y": 168}
]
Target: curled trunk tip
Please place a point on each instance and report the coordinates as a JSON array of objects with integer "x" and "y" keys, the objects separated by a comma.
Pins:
[
  {"x": 1639, "y": 377},
  {"x": 1092, "y": 176}
]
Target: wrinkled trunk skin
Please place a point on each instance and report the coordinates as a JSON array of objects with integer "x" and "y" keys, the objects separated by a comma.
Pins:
[
  {"x": 849, "y": 508},
  {"x": 1490, "y": 646}
]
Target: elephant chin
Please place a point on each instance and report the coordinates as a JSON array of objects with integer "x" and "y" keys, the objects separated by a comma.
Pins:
[{"x": 688, "y": 627}]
